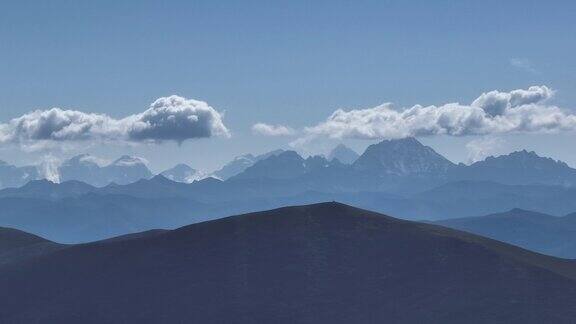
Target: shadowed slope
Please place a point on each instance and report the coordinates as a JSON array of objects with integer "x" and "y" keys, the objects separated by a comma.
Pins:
[
  {"x": 323, "y": 263},
  {"x": 17, "y": 246}
]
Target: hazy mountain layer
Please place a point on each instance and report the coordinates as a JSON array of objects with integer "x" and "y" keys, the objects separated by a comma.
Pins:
[{"x": 539, "y": 232}]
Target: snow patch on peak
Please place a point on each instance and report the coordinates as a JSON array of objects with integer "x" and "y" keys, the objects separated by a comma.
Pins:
[{"x": 128, "y": 161}]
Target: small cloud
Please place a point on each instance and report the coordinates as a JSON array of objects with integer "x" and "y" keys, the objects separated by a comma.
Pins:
[
  {"x": 481, "y": 148},
  {"x": 523, "y": 64},
  {"x": 272, "y": 130},
  {"x": 48, "y": 168}
]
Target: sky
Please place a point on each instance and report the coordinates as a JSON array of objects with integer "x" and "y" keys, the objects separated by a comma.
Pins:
[{"x": 187, "y": 81}]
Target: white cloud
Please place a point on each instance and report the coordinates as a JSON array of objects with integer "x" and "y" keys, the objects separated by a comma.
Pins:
[
  {"x": 272, "y": 130},
  {"x": 497, "y": 103},
  {"x": 176, "y": 118},
  {"x": 481, "y": 148},
  {"x": 48, "y": 168},
  {"x": 87, "y": 158},
  {"x": 169, "y": 118},
  {"x": 523, "y": 64},
  {"x": 518, "y": 111}
]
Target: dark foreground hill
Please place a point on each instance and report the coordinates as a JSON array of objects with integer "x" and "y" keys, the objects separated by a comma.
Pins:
[
  {"x": 538, "y": 232},
  {"x": 323, "y": 263},
  {"x": 17, "y": 246}
]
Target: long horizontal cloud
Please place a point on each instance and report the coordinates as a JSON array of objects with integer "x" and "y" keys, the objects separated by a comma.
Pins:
[
  {"x": 168, "y": 118},
  {"x": 493, "y": 112},
  {"x": 272, "y": 130}
]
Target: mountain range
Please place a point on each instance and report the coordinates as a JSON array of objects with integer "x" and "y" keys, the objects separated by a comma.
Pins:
[
  {"x": 85, "y": 168},
  {"x": 407, "y": 186},
  {"x": 402, "y": 166},
  {"x": 322, "y": 263}
]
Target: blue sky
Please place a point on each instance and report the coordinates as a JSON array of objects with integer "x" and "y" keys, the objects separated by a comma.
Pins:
[{"x": 284, "y": 62}]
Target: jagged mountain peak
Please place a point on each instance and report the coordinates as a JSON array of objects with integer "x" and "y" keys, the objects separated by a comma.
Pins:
[
  {"x": 183, "y": 173},
  {"x": 401, "y": 157},
  {"x": 343, "y": 154}
]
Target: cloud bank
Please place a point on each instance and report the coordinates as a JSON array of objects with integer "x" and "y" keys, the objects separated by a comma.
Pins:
[
  {"x": 494, "y": 112},
  {"x": 168, "y": 119},
  {"x": 272, "y": 130}
]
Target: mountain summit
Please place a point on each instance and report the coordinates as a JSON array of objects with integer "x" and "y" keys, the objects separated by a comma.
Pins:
[
  {"x": 402, "y": 157},
  {"x": 183, "y": 173},
  {"x": 343, "y": 154}
]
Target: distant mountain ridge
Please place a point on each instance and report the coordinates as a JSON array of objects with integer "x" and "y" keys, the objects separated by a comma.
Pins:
[
  {"x": 520, "y": 167},
  {"x": 403, "y": 165},
  {"x": 124, "y": 170},
  {"x": 551, "y": 235}
]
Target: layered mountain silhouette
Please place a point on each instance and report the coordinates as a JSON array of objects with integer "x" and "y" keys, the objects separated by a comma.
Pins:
[
  {"x": 84, "y": 168},
  {"x": 399, "y": 177},
  {"x": 539, "y": 232},
  {"x": 322, "y": 263},
  {"x": 472, "y": 198}
]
